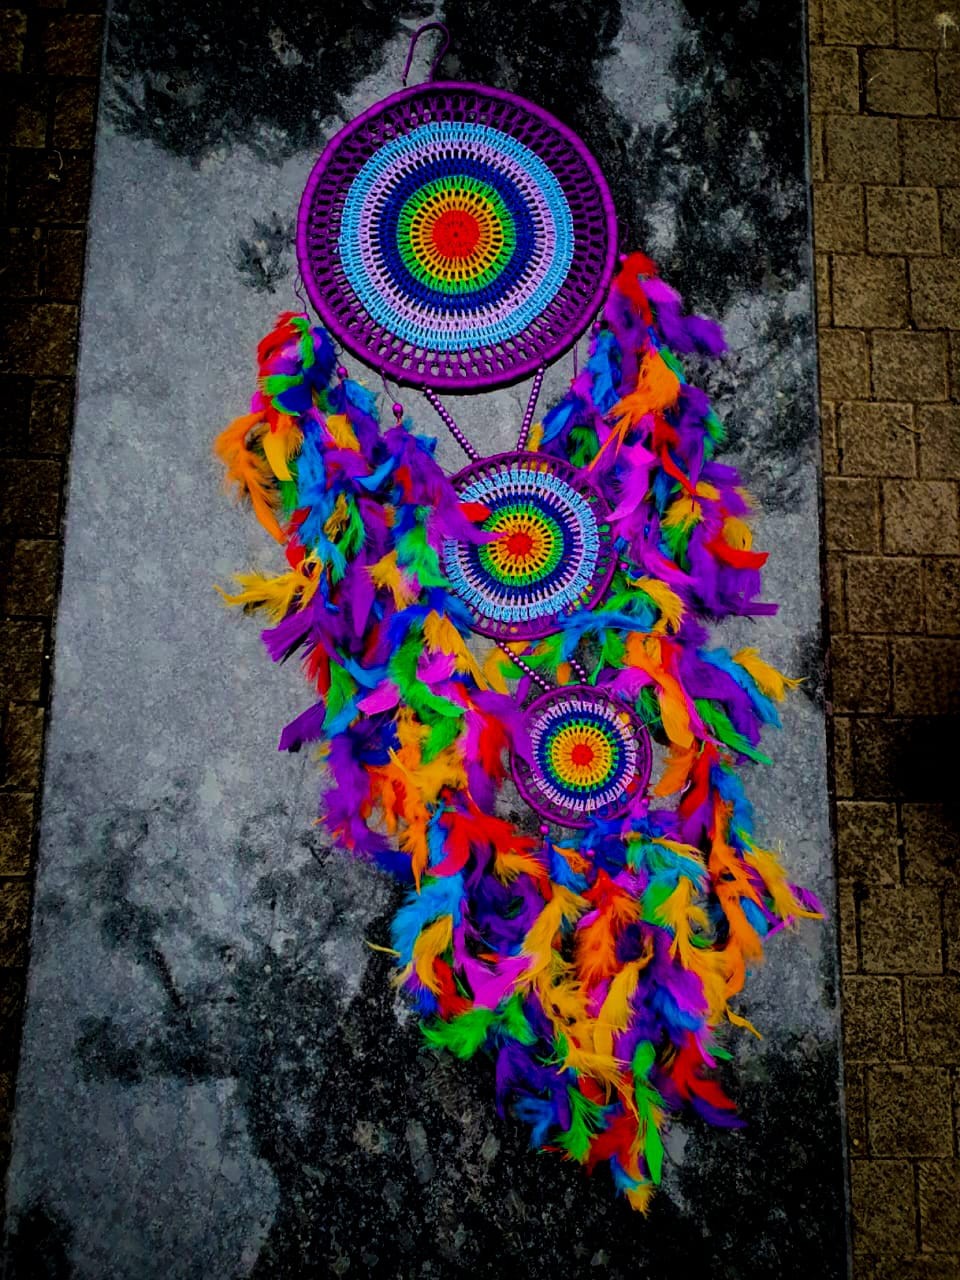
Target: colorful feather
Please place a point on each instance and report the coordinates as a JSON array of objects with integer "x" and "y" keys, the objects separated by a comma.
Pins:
[{"x": 597, "y": 971}]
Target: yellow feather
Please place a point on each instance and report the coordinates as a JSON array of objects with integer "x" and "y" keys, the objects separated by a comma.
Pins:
[
  {"x": 493, "y": 668},
  {"x": 737, "y": 533},
  {"x": 644, "y": 652},
  {"x": 673, "y": 712},
  {"x": 677, "y": 846},
  {"x": 441, "y": 636},
  {"x": 249, "y": 472},
  {"x": 429, "y": 945},
  {"x": 387, "y": 573},
  {"x": 507, "y": 865},
  {"x": 657, "y": 389},
  {"x": 413, "y": 840},
  {"x": 767, "y": 679},
  {"x": 667, "y": 601},
  {"x": 681, "y": 913},
  {"x": 535, "y": 438},
  {"x": 785, "y": 902},
  {"x": 640, "y": 1198},
  {"x": 281, "y": 445},
  {"x": 739, "y": 1021},
  {"x": 538, "y": 944},
  {"x": 341, "y": 432},
  {"x": 336, "y": 522},
  {"x": 711, "y": 968},
  {"x": 444, "y": 770},
  {"x": 275, "y": 596},
  {"x": 615, "y": 1010},
  {"x": 603, "y": 1067},
  {"x": 560, "y": 995},
  {"x": 683, "y": 512}
]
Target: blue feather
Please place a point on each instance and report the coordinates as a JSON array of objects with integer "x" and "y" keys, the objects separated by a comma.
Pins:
[
  {"x": 721, "y": 658},
  {"x": 441, "y": 896}
]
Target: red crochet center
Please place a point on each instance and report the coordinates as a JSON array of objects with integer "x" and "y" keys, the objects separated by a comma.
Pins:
[
  {"x": 519, "y": 543},
  {"x": 455, "y": 233}
]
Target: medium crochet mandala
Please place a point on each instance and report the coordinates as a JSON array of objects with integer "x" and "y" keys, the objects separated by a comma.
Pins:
[{"x": 456, "y": 238}]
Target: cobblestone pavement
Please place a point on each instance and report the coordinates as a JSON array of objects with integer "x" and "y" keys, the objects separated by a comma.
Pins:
[{"x": 885, "y": 138}]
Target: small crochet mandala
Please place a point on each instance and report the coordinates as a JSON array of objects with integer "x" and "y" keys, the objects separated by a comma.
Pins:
[{"x": 538, "y": 620}]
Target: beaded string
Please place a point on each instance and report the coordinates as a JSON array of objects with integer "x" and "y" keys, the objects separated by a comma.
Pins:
[
  {"x": 447, "y": 419},
  {"x": 531, "y": 406},
  {"x": 524, "y": 666},
  {"x": 577, "y": 668}
]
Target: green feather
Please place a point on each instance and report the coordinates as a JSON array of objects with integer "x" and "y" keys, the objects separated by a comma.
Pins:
[
  {"x": 676, "y": 539},
  {"x": 673, "y": 364},
  {"x": 415, "y": 554},
  {"x": 648, "y": 705},
  {"x": 402, "y": 669},
  {"x": 585, "y": 445},
  {"x": 462, "y": 1035},
  {"x": 656, "y": 895},
  {"x": 302, "y": 325},
  {"x": 444, "y": 731},
  {"x": 586, "y": 1119},
  {"x": 288, "y": 496},
  {"x": 354, "y": 534},
  {"x": 275, "y": 383},
  {"x": 645, "y": 1055},
  {"x": 717, "y": 720},
  {"x": 715, "y": 428},
  {"x": 342, "y": 688},
  {"x": 653, "y": 1151},
  {"x": 512, "y": 1022}
]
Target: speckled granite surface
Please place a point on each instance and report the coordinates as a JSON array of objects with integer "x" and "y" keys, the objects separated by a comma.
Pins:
[{"x": 217, "y": 1080}]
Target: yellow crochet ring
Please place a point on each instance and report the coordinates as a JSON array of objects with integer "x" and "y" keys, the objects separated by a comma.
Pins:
[
  {"x": 526, "y": 547},
  {"x": 456, "y": 235},
  {"x": 581, "y": 755}
]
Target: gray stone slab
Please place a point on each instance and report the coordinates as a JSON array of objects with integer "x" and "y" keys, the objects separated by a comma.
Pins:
[{"x": 217, "y": 1079}]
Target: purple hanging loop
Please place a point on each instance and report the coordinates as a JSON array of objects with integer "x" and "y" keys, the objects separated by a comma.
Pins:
[{"x": 445, "y": 45}]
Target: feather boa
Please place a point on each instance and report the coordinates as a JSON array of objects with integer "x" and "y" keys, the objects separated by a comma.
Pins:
[{"x": 596, "y": 970}]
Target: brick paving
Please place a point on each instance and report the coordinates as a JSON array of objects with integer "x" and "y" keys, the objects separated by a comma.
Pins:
[
  {"x": 49, "y": 65},
  {"x": 885, "y": 134},
  {"x": 885, "y": 152}
]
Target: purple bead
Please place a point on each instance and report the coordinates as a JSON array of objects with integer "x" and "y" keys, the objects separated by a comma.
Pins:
[
  {"x": 342, "y": 372},
  {"x": 397, "y": 410}
]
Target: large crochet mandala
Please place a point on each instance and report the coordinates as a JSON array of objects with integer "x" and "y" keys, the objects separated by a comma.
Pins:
[{"x": 529, "y": 627}]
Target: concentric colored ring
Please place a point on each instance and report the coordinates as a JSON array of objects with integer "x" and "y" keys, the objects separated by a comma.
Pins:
[
  {"x": 590, "y": 756},
  {"x": 456, "y": 237},
  {"x": 444, "y": 159},
  {"x": 551, "y": 555}
]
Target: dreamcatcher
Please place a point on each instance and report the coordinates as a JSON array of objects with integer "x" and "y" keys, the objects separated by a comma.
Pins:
[{"x": 540, "y": 617}]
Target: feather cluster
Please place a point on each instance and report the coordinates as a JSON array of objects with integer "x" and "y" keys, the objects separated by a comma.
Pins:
[{"x": 596, "y": 970}]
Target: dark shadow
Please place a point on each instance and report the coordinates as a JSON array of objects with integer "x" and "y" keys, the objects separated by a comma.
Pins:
[{"x": 38, "y": 1247}]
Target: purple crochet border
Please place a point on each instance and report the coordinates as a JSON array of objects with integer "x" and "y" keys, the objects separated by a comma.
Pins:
[{"x": 522, "y": 369}]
